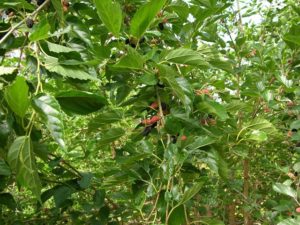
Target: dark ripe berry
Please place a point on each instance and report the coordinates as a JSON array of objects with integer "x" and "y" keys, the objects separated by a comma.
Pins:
[
  {"x": 29, "y": 23},
  {"x": 142, "y": 40},
  {"x": 173, "y": 139},
  {"x": 147, "y": 131},
  {"x": 130, "y": 42},
  {"x": 39, "y": 2},
  {"x": 294, "y": 130},
  {"x": 161, "y": 26},
  {"x": 160, "y": 84}
]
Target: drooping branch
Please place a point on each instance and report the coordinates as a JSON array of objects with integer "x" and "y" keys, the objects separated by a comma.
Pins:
[{"x": 13, "y": 28}]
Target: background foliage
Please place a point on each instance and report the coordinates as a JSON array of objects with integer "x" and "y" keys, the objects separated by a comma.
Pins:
[{"x": 149, "y": 112}]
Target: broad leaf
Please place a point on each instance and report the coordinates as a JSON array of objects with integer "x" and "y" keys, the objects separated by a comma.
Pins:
[
  {"x": 111, "y": 135},
  {"x": 186, "y": 56},
  {"x": 285, "y": 189},
  {"x": 40, "y": 31},
  {"x": 80, "y": 102},
  {"x": 58, "y": 48},
  {"x": 290, "y": 221},
  {"x": 21, "y": 159},
  {"x": 190, "y": 193},
  {"x": 111, "y": 15},
  {"x": 168, "y": 76},
  {"x": 8, "y": 200},
  {"x": 214, "y": 108},
  {"x": 16, "y": 96},
  {"x": 201, "y": 142},
  {"x": 104, "y": 119},
  {"x": 143, "y": 18},
  {"x": 4, "y": 169},
  {"x": 257, "y": 129},
  {"x": 177, "y": 217},
  {"x": 132, "y": 61},
  {"x": 49, "y": 110},
  {"x": 75, "y": 72}
]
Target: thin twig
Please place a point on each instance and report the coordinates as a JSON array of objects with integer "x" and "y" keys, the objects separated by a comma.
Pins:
[{"x": 23, "y": 21}]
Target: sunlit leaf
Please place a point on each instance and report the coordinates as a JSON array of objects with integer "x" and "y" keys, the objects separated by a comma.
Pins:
[
  {"x": 144, "y": 16},
  {"x": 111, "y": 15},
  {"x": 21, "y": 160},
  {"x": 16, "y": 96}
]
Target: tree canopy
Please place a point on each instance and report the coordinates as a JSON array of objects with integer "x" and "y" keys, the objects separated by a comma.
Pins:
[{"x": 172, "y": 112}]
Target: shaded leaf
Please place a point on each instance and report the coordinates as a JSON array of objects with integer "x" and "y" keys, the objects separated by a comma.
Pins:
[
  {"x": 49, "y": 110},
  {"x": 4, "y": 169},
  {"x": 168, "y": 76},
  {"x": 213, "y": 108},
  {"x": 190, "y": 193},
  {"x": 80, "y": 102},
  {"x": 8, "y": 200},
  {"x": 112, "y": 135},
  {"x": 201, "y": 142},
  {"x": 177, "y": 216}
]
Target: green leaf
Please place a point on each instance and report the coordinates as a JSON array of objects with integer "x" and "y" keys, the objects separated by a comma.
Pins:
[
  {"x": 104, "y": 119},
  {"x": 112, "y": 135},
  {"x": 132, "y": 61},
  {"x": 290, "y": 221},
  {"x": 257, "y": 125},
  {"x": 4, "y": 169},
  {"x": 18, "y": 4},
  {"x": 49, "y": 110},
  {"x": 80, "y": 102},
  {"x": 295, "y": 125},
  {"x": 58, "y": 9},
  {"x": 21, "y": 159},
  {"x": 75, "y": 72},
  {"x": 190, "y": 193},
  {"x": 16, "y": 96},
  {"x": 8, "y": 200},
  {"x": 215, "y": 108},
  {"x": 177, "y": 216},
  {"x": 148, "y": 79},
  {"x": 186, "y": 56},
  {"x": 40, "y": 31},
  {"x": 168, "y": 76},
  {"x": 144, "y": 16},
  {"x": 258, "y": 135},
  {"x": 58, "y": 48},
  {"x": 85, "y": 180},
  {"x": 285, "y": 189},
  {"x": 99, "y": 198},
  {"x": 111, "y": 15},
  {"x": 201, "y": 142}
]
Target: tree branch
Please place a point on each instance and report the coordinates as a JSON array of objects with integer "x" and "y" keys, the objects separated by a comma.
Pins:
[{"x": 23, "y": 21}]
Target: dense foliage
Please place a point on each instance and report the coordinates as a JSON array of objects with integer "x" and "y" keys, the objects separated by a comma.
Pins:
[{"x": 149, "y": 112}]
